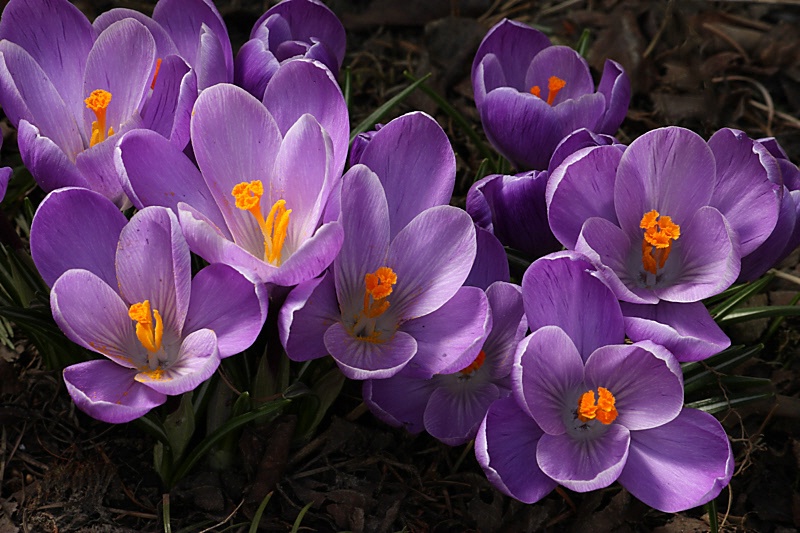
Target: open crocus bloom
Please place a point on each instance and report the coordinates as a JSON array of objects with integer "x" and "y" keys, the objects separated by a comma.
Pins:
[
  {"x": 670, "y": 218},
  {"x": 69, "y": 86},
  {"x": 288, "y": 30},
  {"x": 588, "y": 410},
  {"x": 267, "y": 175},
  {"x": 530, "y": 94},
  {"x": 451, "y": 405},
  {"x": 162, "y": 331}
]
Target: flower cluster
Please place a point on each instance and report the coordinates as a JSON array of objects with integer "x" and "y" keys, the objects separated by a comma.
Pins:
[{"x": 571, "y": 378}]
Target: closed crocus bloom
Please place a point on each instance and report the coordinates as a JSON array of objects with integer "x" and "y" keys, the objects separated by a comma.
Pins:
[
  {"x": 289, "y": 30},
  {"x": 267, "y": 173},
  {"x": 72, "y": 89},
  {"x": 135, "y": 302},
  {"x": 588, "y": 410},
  {"x": 531, "y": 94}
]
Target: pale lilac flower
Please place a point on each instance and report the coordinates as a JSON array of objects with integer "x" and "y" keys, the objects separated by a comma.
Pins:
[
  {"x": 161, "y": 331},
  {"x": 531, "y": 94},
  {"x": 588, "y": 410}
]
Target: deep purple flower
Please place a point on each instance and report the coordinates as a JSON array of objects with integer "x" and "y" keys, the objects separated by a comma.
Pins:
[
  {"x": 289, "y": 30},
  {"x": 670, "y": 218},
  {"x": 589, "y": 410},
  {"x": 134, "y": 301},
  {"x": 396, "y": 287},
  {"x": 786, "y": 235},
  {"x": 267, "y": 175},
  {"x": 69, "y": 87},
  {"x": 451, "y": 405},
  {"x": 530, "y": 94},
  {"x": 513, "y": 208}
]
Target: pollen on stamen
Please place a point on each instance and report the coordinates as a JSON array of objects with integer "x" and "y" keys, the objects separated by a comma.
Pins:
[
  {"x": 554, "y": 86},
  {"x": 474, "y": 365},
  {"x": 604, "y": 411},
  {"x": 659, "y": 233},
  {"x": 378, "y": 286},
  {"x": 98, "y": 102},
  {"x": 248, "y": 195}
]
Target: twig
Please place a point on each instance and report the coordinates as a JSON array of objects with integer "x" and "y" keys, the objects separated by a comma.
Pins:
[
  {"x": 227, "y": 519},
  {"x": 784, "y": 275},
  {"x": 770, "y": 105},
  {"x": 661, "y": 29}
]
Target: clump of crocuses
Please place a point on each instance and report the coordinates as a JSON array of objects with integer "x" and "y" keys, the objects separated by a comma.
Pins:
[
  {"x": 125, "y": 290},
  {"x": 531, "y": 94}
]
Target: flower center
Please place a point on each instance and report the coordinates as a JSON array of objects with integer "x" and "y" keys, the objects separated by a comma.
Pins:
[
  {"x": 475, "y": 365},
  {"x": 149, "y": 326},
  {"x": 155, "y": 75},
  {"x": 377, "y": 287},
  {"x": 554, "y": 85},
  {"x": 274, "y": 228},
  {"x": 98, "y": 102},
  {"x": 603, "y": 410},
  {"x": 659, "y": 232}
]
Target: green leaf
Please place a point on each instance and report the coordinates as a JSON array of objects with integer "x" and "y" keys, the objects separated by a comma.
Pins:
[
  {"x": 347, "y": 90},
  {"x": 300, "y": 516},
  {"x": 383, "y": 110},
  {"x": 755, "y": 313},
  {"x": 325, "y": 390},
  {"x": 179, "y": 426},
  {"x": 701, "y": 373},
  {"x": 231, "y": 425},
  {"x": 582, "y": 46},
  {"x": 738, "y": 297},
  {"x": 259, "y": 512}
]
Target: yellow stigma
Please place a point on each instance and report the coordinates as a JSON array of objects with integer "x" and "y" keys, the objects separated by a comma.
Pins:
[
  {"x": 378, "y": 286},
  {"x": 274, "y": 228},
  {"x": 149, "y": 335},
  {"x": 659, "y": 232},
  {"x": 98, "y": 102},
  {"x": 604, "y": 410},
  {"x": 475, "y": 365},
  {"x": 554, "y": 85}
]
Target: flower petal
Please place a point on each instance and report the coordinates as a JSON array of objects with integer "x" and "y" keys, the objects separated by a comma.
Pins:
[
  {"x": 565, "y": 63},
  {"x": 508, "y": 326},
  {"x": 453, "y": 416},
  {"x": 46, "y": 161},
  {"x": 584, "y": 465},
  {"x": 413, "y": 158},
  {"x": 685, "y": 329},
  {"x": 491, "y": 261},
  {"x": 168, "y": 110},
  {"x": 106, "y": 391},
  {"x": 230, "y": 305},
  {"x": 505, "y": 447},
  {"x": 679, "y": 465},
  {"x": 153, "y": 263},
  {"x": 360, "y": 359},
  {"x": 76, "y": 228},
  {"x": 197, "y": 360},
  {"x": 306, "y": 314},
  {"x": 615, "y": 85},
  {"x": 400, "y": 400}
]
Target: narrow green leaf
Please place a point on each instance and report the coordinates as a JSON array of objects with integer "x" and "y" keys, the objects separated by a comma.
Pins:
[
  {"x": 179, "y": 426},
  {"x": 231, "y": 425},
  {"x": 582, "y": 47},
  {"x": 348, "y": 86},
  {"x": 711, "y": 509},
  {"x": 754, "y": 313},
  {"x": 696, "y": 374},
  {"x": 300, "y": 516},
  {"x": 259, "y": 512},
  {"x": 721, "y": 403},
  {"x": 483, "y": 170},
  {"x": 739, "y": 296},
  {"x": 382, "y": 111}
]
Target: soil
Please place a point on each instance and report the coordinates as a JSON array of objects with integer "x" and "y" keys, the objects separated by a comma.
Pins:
[{"x": 702, "y": 65}]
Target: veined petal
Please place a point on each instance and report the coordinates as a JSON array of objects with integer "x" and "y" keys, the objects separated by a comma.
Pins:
[
  {"x": 413, "y": 158},
  {"x": 153, "y": 263},
  {"x": 197, "y": 360},
  {"x": 76, "y": 228},
  {"x": 565, "y": 63},
  {"x": 168, "y": 110},
  {"x": 491, "y": 261},
  {"x": 584, "y": 465},
  {"x": 361, "y": 359},
  {"x": 212, "y": 64},
  {"x": 679, "y": 465},
  {"x": 509, "y": 325},
  {"x": 254, "y": 67},
  {"x": 93, "y": 315},
  {"x": 309, "y": 310},
  {"x": 505, "y": 447},
  {"x": 453, "y": 416},
  {"x": 164, "y": 44},
  {"x": 46, "y": 161},
  {"x": 615, "y": 85},
  {"x": 400, "y": 400},
  {"x": 432, "y": 257},
  {"x": 558, "y": 290},
  {"x": 106, "y": 391},
  {"x": 227, "y": 303}
]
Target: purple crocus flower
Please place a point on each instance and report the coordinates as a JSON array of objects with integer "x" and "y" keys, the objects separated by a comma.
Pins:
[
  {"x": 588, "y": 410},
  {"x": 69, "y": 86},
  {"x": 267, "y": 175},
  {"x": 134, "y": 301},
  {"x": 513, "y": 208},
  {"x": 395, "y": 292},
  {"x": 451, "y": 405},
  {"x": 786, "y": 235},
  {"x": 288, "y": 30},
  {"x": 530, "y": 94}
]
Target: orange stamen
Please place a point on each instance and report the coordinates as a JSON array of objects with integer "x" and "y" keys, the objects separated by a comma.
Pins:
[
  {"x": 659, "y": 233},
  {"x": 554, "y": 85},
  {"x": 274, "y": 228},
  {"x": 474, "y": 365},
  {"x": 604, "y": 410},
  {"x": 98, "y": 102},
  {"x": 155, "y": 75},
  {"x": 148, "y": 335},
  {"x": 378, "y": 286}
]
